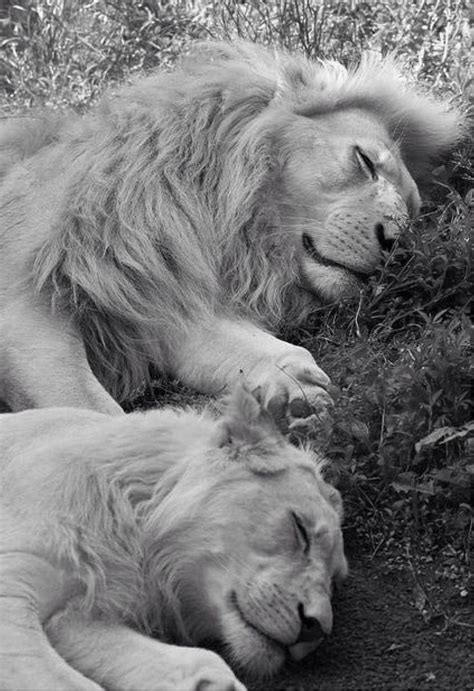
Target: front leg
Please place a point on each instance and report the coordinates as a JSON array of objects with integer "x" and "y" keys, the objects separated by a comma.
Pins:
[
  {"x": 121, "y": 659},
  {"x": 215, "y": 354},
  {"x": 29, "y": 588},
  {"x": 43, "y": 361}
]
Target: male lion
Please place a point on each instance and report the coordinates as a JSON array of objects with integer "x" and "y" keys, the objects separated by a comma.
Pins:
[
  {"x": 168, "y": 522},
  {"x": 193, "y": 210}
]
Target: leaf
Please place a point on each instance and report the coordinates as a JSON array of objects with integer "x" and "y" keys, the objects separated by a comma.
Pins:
[
  {"x": 460, "y": 432},
  {"x": 419, "y": 598},
  {"x": 442, "y": 435},
  {"x": 405, "y": 482},
  {"x": 395, "y": 646},
  {"x": 360, "y": 431},
  {"x": 453, "y": 475},
  {"x": 426, "y": 488}
]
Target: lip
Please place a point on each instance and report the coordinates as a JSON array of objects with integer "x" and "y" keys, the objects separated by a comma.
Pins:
[
  {"x": 298, "y": 651},
  {"x": 272, "y": 641},
  {"x": 312, "y": 252}
]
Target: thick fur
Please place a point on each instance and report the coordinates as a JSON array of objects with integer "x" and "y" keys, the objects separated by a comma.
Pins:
[
  {"x": 169, "y": 207},
  {"x": 169, "y": 522}
]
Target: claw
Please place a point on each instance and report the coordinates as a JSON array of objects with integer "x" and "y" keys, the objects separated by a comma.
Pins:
[
  {"x": 299, "y": 408},
  {"x": 317, "y": 426},
  {"x": 277, "y": 407}
]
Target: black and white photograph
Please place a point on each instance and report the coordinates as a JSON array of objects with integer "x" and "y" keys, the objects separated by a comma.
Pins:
[{"x": 236, "y": 393}]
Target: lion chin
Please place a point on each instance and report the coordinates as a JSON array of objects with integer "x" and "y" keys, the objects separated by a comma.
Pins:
[{"x": 169, "y": 522}]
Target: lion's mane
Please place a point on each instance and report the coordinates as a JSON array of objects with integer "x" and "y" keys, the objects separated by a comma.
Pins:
[
  {"x": 171, "y": 207},
  {"x": 122, "y": 536}
]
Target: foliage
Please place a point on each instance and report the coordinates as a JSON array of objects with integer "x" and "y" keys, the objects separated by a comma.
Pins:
[
  {"x": 62, "y": 52},
  {"x": 432, "y": 35},
  {"x": 400, "y": 354},
  {"x": 403, "y": 430}
]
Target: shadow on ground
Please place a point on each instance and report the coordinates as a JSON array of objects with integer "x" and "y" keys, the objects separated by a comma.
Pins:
[{"x": 381, "y": 641}]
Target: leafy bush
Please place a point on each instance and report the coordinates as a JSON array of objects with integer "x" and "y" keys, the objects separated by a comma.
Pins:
[{"x": 401, "y": 360}]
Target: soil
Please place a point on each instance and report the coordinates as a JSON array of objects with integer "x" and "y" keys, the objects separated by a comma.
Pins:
[{"x": 383, "y": 638}]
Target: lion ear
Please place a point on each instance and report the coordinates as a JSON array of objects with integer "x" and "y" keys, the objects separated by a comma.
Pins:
[
  {"x": 425, "y": 128},
  {"x": 334, "y": 497},
  {"x": 246, "y": 421}
]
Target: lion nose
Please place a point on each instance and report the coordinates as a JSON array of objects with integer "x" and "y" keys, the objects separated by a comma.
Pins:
[
  {"x": 311, "y": 629},
  {"x": 385, "y": 241}
]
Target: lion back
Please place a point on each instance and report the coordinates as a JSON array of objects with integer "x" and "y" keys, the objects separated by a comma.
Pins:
[{"x": 21, "y": 137}]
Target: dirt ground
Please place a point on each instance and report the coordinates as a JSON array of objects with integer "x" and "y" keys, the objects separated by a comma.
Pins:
[{"x": 382, "y": 641}]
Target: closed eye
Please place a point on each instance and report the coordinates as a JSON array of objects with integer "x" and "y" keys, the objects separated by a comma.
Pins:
[
  {"x": 301, "y": 533},
  {"x": 365, "y": 163}
]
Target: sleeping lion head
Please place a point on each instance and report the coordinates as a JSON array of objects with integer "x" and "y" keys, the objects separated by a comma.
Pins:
[
  {"x": 245, "y": 549},
  {"x": 365, "y": 197},
  {"x": 333, "y": 157}
]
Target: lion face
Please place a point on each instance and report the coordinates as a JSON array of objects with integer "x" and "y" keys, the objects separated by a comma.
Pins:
[
  {"x": 348, "y": 196},
  {"x": 257, "y": 547},
  {"x": 284, "y": 551}
]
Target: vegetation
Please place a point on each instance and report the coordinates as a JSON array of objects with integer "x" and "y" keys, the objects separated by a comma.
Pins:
[{"x": 400, "y": 355}]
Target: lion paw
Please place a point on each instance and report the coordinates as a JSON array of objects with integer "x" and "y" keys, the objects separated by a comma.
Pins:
[
  {"x": 209, "y": 680},
  {"x": 297, "y": 396},
  {"x": 202, "y": 670}
]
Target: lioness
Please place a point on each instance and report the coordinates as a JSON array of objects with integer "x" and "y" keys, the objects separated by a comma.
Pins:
[
  {"x": 192, "y": 211},
  {"x": 168, "y": 522}
]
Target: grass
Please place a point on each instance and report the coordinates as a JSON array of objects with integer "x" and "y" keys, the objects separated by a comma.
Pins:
[{"x": 400, "y": 355}]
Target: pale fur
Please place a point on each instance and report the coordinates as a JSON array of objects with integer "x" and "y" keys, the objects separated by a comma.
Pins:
[
  {"x": 171, "y": 208},
  {"x": 159, "y": 522}
]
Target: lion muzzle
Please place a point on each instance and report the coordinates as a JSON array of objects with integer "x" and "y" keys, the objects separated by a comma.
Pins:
[{"x": 314, "y": 628}]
